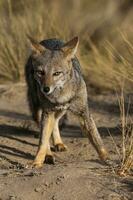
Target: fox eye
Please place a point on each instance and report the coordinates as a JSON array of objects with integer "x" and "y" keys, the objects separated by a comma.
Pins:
[
  {"x": 40, "y": 72},
  {"x": 57, "y": 73}
]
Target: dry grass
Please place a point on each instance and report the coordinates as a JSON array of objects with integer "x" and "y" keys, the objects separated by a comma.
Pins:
[
  {"x": 107, "y": 59},
  {"x": 125, "y": 150},
  {"x": 127, "y": 139},
  {"x": 107, "y": 68}
]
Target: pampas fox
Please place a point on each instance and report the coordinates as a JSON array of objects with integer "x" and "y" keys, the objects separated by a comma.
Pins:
[{"x": 56, "y": 86}]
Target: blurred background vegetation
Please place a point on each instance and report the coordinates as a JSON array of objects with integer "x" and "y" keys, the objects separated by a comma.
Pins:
[{"x": 105, "y": 29}]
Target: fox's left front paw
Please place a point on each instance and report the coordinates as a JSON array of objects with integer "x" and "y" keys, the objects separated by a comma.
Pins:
[
  {"x": 60, "y": 147},
  {"x": 33, "y": 165}
]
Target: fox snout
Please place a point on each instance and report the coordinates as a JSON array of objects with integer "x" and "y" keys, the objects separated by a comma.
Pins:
[
  {"x": 46, "y": 84},
  {"x": 49, "y": 84},
  {"x": 45, "y": 89}
]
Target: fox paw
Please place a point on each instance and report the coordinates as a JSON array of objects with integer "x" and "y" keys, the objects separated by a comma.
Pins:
[
  {"x": 103, "y": 154},
  {"x": 49, "y": 159},
  {"x": 60, "y": 147},
  {"x": 33, "y": 165}
]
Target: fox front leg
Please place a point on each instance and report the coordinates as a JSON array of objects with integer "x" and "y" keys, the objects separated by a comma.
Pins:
[
  {"x": 47, "y": 125},
  {"x": 89, "y": 128},
  {"x": 58, "y": 143}
]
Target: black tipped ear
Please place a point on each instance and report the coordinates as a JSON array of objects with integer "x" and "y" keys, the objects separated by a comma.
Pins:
[
  {"x": 70, "y": 48},
  {"x": 35, "y": 47}
]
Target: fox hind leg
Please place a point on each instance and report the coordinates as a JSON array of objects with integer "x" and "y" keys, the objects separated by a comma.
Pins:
[
  {"x": 35, "y": 107},
  {"x": 33, "y": 101}
]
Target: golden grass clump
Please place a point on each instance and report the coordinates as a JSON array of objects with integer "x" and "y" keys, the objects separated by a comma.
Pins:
[{"x": 104, "y": 28}]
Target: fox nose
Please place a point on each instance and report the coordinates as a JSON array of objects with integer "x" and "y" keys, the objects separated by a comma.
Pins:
[{"x": 46, "y": 89}]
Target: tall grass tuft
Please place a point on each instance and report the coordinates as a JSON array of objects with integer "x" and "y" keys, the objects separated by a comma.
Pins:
[
  {"x": 104, "y": 28},
  {"x": 126, "y": 164}
]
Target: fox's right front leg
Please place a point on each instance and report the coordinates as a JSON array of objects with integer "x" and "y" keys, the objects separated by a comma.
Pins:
[{"x": 47, "y": 125}]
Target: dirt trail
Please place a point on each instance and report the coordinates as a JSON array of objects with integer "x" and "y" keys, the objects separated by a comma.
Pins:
[{"x": 77, "y": 174}]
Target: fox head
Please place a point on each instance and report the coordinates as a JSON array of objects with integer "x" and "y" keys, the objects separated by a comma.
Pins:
[{"x": 52, "y": 68}]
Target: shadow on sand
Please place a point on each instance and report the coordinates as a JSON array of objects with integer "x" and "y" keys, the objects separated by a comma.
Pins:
[
  {"x": 15, "y": 133},
  {"x": 19, "y": 134}
]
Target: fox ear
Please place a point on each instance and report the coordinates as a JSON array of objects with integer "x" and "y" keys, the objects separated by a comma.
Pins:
[
  {"x": 70, "y": 48},
  {"x": 36, "y": 48}
]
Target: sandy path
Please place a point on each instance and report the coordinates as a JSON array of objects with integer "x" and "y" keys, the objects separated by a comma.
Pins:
[{"x": 77, "y": 174}]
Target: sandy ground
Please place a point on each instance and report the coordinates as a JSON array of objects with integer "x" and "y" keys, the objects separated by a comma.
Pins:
[{"x": 78, "y": 174}]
